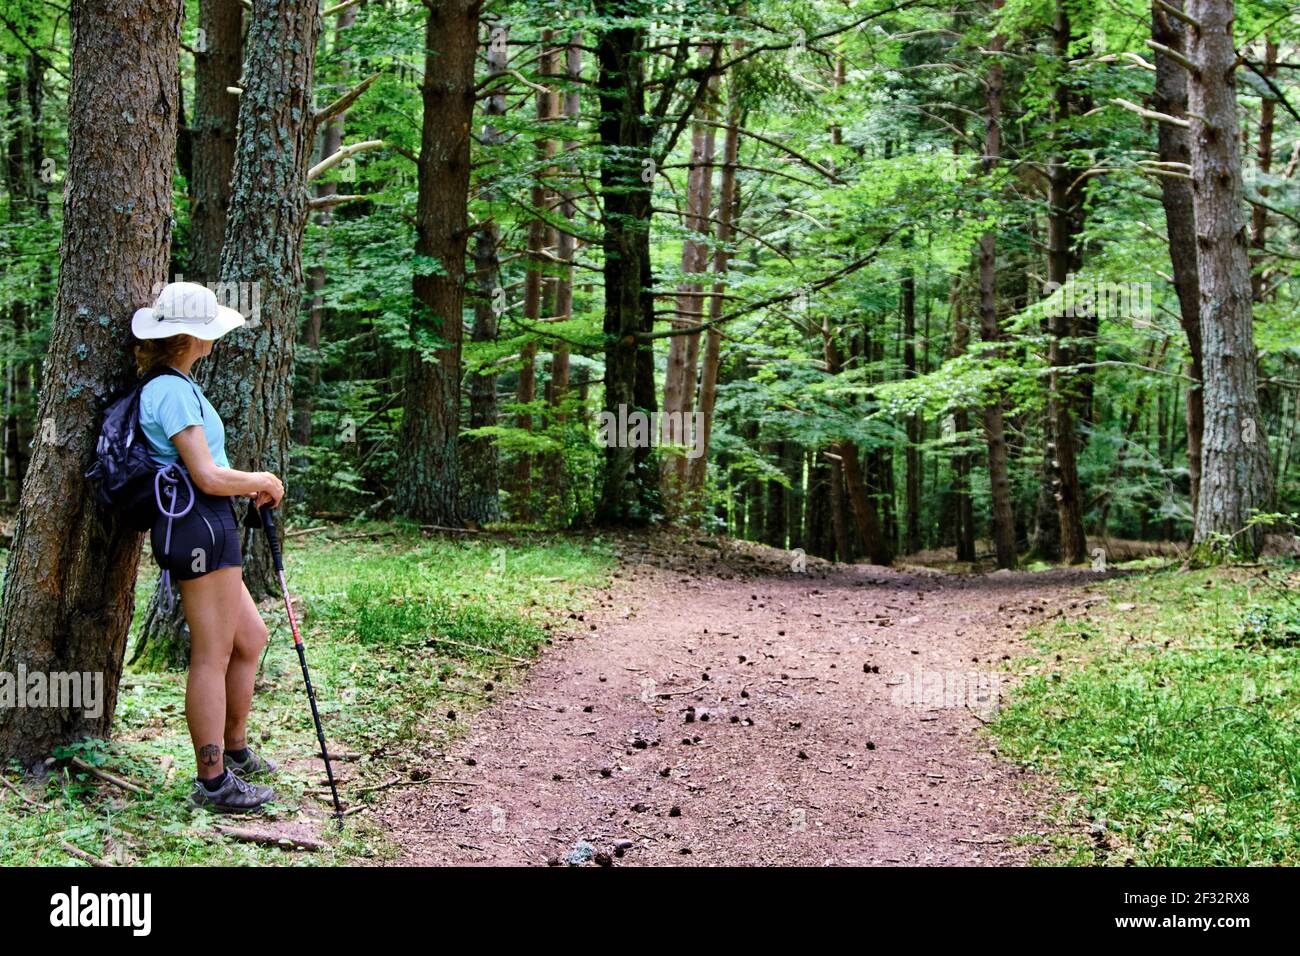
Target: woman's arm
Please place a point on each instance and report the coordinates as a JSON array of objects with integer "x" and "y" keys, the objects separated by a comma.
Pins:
[{"x": 212, "y": 479}]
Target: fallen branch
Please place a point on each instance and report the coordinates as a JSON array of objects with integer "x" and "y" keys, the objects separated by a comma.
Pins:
[
  {"x": 16, "y": 789},
  {"x": 476, "y": 647},
  {"x": 301, "y": 531},
  {"x": 108, "y": 777},
  {"x": 278, "y": 840},
  {"x": 367, "y": 534},
  {"x": 82, "y": 855},
  {"x": 345, "y": 757}
]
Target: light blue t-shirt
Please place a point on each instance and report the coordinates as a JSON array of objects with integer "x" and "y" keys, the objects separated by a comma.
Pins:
[{"x": 170, "y": 404}]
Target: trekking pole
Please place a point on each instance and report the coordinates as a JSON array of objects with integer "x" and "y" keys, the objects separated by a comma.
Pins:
[{"x": 268, "y": 525}]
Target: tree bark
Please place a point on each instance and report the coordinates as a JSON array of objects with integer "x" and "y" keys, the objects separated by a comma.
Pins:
[
  {"x": 627, "y": 173},
  {"x": 728, "y": 210},
  {"x": 1235, "y": 478},
  {"x": 163, "y": 642},
  {"x": 1064, "y": 224},
  {"x": 912, "y": 487},
  {"x": 775, "y": 525},
  {"x": 684, "y": 350},
  {"x": 480, "y": 460},
  {"x": 428, "y": 474},
  {"x": 69, "y": 584},
  {"x": 1174, "y": 145},
  {"x": 249, "y": 376},
  {"x": 330, "y": 139},
  {"x": 535, "y": 285},
  {"x": 1004, "y": 524},
  {"x": 216, "y": 115},
  {"x": 863, "y": 509},
  {"x": 557, "y": 389},
  {"x": 1264, "y": 163}
]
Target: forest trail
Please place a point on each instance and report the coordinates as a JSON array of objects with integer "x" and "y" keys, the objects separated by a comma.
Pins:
[{"x": 803, "y": 757}]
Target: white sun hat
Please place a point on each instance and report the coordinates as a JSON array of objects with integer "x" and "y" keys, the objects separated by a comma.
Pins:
[{"x": 185, "y": 308}]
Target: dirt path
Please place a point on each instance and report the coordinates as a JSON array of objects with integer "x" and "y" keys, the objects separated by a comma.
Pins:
[{"x": 797, "y": 730}]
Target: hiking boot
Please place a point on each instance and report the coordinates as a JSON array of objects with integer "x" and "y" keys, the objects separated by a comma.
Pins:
[
  {"x": 233, "y": 796},
  {"x": 251, "y": 766}
]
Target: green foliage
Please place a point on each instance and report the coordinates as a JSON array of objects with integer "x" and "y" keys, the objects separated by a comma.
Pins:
[{"x": 1171, "y": 723}]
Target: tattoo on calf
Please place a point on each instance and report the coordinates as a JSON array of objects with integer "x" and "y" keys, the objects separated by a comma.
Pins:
[{"x": 209, "y": 755}]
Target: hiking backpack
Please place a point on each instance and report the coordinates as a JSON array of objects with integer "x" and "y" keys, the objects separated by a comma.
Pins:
[{"x": 123, "y": 472}]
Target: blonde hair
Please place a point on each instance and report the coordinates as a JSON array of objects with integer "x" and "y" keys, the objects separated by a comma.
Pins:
[{"x": 150, "y": 353}]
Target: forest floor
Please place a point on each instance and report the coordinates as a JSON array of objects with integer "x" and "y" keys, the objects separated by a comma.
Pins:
[
  {"x": 715, "y": 706},
  {"x": 523, "y": 697}
]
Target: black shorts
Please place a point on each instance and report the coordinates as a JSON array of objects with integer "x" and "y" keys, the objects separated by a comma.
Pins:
[{"x": 205, "y": 539}]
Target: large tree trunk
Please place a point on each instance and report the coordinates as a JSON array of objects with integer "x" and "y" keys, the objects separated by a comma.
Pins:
[
  {"x": 428, "y": 480},
  {"x": 217, "y": 66},
  {"x": 535, "y": 286},
  {"x": 249, "y": 376},
  {"x": 820, "y": 510},
  {"x": 565, "y": 250},
  {"x": 728, "y": 209},
  {"x": 850, "y": 471},
  {"x": 330, "y": 139},
  {"x": 29, "y": 370},
  {"x": 912, "y": 487},
  {"x": 68, "y": 590},
  {"x": 19, "y": 183},
  {"x": 684, "y": 349},
  {"x": 1064, "y": 224},
  {"x": 1004, "y": 522},
  {"x": 776, "y": 524},
  {"x": 1234, "y": 459},
  {"x": 626, "y": 177},
  {"x": 480, "y": 460},
  {"x": 1174, "y": 144},
  {"x": 1264, "y": 163},
  {"x": 963, "y": 506},
  {"x": 839, "y": 518},
  {"x": 163, "y": 642}
]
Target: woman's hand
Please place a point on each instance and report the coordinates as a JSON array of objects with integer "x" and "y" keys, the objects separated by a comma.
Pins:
[
  {"x": 262, "y": 486},
  {"x": 271, "y": 492}
]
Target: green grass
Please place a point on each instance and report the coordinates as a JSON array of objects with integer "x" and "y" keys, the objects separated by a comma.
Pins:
[
  {"x": 406, "y": 637},
  {"x": 1170, "y": 720}
]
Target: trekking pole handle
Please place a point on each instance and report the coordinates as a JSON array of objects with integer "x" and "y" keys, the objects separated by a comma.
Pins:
[{"x": 268, "y": 524}]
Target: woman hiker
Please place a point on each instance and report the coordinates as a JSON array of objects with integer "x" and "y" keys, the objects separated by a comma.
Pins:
[{"x": 196, "y": 540}]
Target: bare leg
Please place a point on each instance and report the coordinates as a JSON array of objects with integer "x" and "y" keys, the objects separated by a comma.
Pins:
[
  {"x": 250, "y": 638},
  {"x": 208, "y": 602}
]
